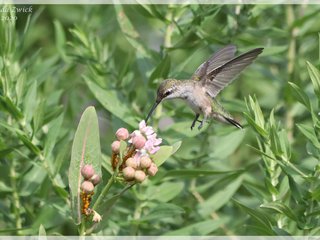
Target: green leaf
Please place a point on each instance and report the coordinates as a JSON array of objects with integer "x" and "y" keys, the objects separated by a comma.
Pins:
[
  {"x": 199, "y": 229},
  {"x": 300, "y": 95},
  {"x": 164, "y": 192},
  {"x": 310, "y": 134},
  {"x": 162, "y": 70},
  {"x": 194, "y": 173},
  {"x": 220, "y": 198},
  {"x": 261, "y": 218},
  {"x": 11, "y": 107},
  {"x": 280, "y": 208},
  {"x": 30, "y": 102},
  {"x": 42, "y": 232},
  {"x": 224, "y": 146},
  {"x": 111, "y": 101},
  {"x": 315, "y": 78},
  {"x": 162, "y": 155},
  {"x": 52, "y": 135},
  {"x": 85, "y": 150},
  {"x": 161, "y": 211},
  {"x": 255, "y": 126}
]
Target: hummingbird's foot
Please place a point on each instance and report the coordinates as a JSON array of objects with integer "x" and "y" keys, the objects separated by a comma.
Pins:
[
  {"x": 200, "y": 125},
  {"x": 194, "y": 121}
]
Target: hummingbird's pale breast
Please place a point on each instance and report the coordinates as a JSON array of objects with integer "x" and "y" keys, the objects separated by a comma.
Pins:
[{"x": 195, "y": 95}]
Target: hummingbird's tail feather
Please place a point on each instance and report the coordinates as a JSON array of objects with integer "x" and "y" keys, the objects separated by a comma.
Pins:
[{"x": 233, "y": 122}]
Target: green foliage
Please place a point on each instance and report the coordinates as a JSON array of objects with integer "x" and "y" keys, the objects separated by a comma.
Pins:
[{"x": 113, "y": 57}]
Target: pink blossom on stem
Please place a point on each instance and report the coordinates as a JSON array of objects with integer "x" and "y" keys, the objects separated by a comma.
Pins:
[{"x": 122, "y": 134}]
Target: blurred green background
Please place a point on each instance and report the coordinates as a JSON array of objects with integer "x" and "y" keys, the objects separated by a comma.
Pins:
[{"x": 262, "y": 180}]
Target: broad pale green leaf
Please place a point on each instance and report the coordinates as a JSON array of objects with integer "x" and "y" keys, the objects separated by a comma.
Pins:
[
  {"x": 165, "y": 191},
  {"x": 32, "y": 180},
  {"x": 85, "y": 150},
  {"x": 199, "y": 229},
  {"x": 162, "y": 155},
  {"x": 111, "y": 101},
  {"x": 224, "y": 146},
  {"x": 220, "y": 198}
]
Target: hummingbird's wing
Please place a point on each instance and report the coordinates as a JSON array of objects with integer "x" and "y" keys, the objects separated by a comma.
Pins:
[
  {"x": 216, "y": 60},
  {"x": 220, "y": 77}
]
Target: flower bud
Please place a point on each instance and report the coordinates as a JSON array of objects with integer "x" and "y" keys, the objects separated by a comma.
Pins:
[
  {"x": 122, "y": 134},
  {"x": 132, "y": 162},
  {"x": 139, "y": 176},
  {"x": 95, "y": 179},
  {"x": 87, "y": 171},
  {"x": 87, "y": 187},
  {"x": 138, "y": 141},
  {"x": 128, "y": 173},
  {"x": 115, "y": 146},
  {"x": 152, "y": 170},
  {"x": 145, "y": 162}
]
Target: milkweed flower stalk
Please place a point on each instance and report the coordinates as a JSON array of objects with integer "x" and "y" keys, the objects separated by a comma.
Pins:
[{"x": 137, "y": 161}]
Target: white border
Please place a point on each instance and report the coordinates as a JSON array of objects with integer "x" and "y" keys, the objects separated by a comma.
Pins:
[{"x": 159, "y": 1}]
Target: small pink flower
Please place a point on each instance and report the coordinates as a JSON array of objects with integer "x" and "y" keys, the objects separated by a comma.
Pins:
[
  {"x": 147, "y": 130},
  {"x": 115, "y": 146},
  {"x": 152, "y": 170},
  {"x": 133, "y": 162},
  {"x": 145, "y": 162},
  {"x": 95, "y": 179},
  {"x": 128, "y": 173},
  {"x": 122, "y": 134},
  {"x": 87, "y": 187},
  {"x": 87, "y": 171},
  {"x": 139, "y": 176},
  {"x": 138, "y": 141}
]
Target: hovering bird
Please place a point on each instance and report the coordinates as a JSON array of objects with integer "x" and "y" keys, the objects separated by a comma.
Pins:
[{"x": 205, "y": 84}]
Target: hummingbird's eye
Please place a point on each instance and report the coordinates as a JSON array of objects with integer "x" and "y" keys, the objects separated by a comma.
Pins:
[{"x": 168, "y": 92}]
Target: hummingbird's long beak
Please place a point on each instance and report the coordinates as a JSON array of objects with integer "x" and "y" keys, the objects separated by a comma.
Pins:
[{"x": 152, "y": 109}]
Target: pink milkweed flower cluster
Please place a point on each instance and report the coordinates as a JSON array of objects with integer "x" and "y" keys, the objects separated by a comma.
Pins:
[{"x": 137, "y": 161}]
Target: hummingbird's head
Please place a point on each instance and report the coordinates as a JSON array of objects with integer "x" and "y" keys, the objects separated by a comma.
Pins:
[{"x": 166, "y": 90}]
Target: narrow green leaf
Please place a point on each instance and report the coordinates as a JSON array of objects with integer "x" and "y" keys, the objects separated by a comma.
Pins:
[
  {"x": 11, "y": 107},
  {"x": 255, "y": 126},
  {"x": 30, "y": 102},
  {"x": 300, "y": 95},
  {"x": 310, "y": 134},
  {"x": 261, "y": 218},
  {"x": 280, "y": 208},
  {"x": 315, "y": 78},
  {"x": 85, "y": 150},
  {"x": 52, "y": 135}
]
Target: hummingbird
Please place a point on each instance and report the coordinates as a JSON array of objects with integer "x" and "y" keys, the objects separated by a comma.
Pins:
[{"x": 205, "y": 84}]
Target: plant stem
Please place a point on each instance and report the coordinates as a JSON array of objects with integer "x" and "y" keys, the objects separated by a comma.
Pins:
[{"x": 15, "y": 196}]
